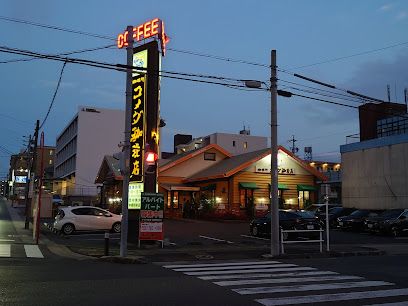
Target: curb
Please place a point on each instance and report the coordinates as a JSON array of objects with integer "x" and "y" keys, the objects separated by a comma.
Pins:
[
  {"x": 326, "y": 255},
  {"x": 124, "y": 260}
]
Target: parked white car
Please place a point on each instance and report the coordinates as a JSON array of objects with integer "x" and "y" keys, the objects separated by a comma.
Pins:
[{"x": 86, "y": 218}]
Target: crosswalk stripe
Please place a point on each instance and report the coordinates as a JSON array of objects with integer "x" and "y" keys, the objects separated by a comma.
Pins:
[
  {"x": 286, "y": 280},
  {"x": 5, "y": 250},
  {"x": 222, "y": 264},
  {"x": 233, "y": 267},
  {"x": 283, "y": 268},
  {"x": 311, "y": 287},
  {"x": 266, "y": 275},
  {"x": 332, "y": 297},
  {"x": 33, "y": 251}
]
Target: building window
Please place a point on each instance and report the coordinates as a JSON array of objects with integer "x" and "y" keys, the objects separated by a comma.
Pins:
[
  {"x": 50, "y": 162},
  {"x": 175, "y": 199},
  {"x": 303, "y": 198},
  {"x": 209, "y": 156},
  {"x": 51, "y": 152},
  {"x": 245, "y": 144},
  {"x": 168, "y": 199},
  {"x": 233, "y": 143}
]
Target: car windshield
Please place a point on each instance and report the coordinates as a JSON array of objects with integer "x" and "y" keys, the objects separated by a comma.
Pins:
[
  {"x": 393, "y": 213},
  {"x": 359, "y": 213},
  {"x": 304, "y": 214}
]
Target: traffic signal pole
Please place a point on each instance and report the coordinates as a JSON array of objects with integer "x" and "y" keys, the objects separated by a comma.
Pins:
[
  {"x": 274, "y": 160},
  {"x": 126, "y": 148}
]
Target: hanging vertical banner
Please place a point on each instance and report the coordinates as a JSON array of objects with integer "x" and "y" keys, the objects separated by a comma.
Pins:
[
  {"x": 137, "y": 135},
  {"x": 135, "y": 195},
  {"x": 151, "y": 216}
]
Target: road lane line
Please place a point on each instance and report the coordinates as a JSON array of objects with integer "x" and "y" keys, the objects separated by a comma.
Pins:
[
  {"x": 286, "y": 280},
  {"x": 266, "y": 275},
  {"x": 333, "y": 297},
  {"x": 33, "y": 251},
  {"x": 222, "y": 264},
  {"x": 311, "y": 287},
  {"x": 284, "y": 268},
  {"x": 7, "y": 240},
  {"x": 253, "y": 237},
  {"x": 5, "y": 250},
  {"x": 265, "y": 266},
  {"x": 215, "y": 239}
]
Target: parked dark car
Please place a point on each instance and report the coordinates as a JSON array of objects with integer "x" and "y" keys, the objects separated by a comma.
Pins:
[
  {"x": 334, "y": 213},
  {"x": 288, "y": 220},
  {"x": 394, "y": 221},
  {"x": 355, "y": 221}
]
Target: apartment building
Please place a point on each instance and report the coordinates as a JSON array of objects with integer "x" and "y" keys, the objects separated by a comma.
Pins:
[{"x": 81, "y": 147}]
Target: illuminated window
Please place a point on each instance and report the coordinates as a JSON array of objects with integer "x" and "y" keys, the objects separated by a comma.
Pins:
[
  {"x": 50, "y": 162},
  {"x": 175, "y": 199},
  {"x": 245, "y": 145},
  {"x": 51, "y": 152},
  {"x": 209, "y": 156},
  {"x": 168, "y": 199}
]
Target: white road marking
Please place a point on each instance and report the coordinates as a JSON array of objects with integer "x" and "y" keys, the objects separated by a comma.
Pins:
[
  {"x": 5, "y": 250},
  {"x": 222, "y": 264},
  {"x": 254, "y": 237},
  {"x": 7, "y": 240},
  {"x": 266, "y": 275},
  {"x": 284, "y": 268},
  {"x": 311, "y": 287},
  {"x": 287, "y": 280},
  {"x": 102, "y": 238},
  {"x": 234, "y": 267},
  {"x": 33, "y": 251},
  {"x": 332, "y": 297},
  {"x": 215, "y": 239}
]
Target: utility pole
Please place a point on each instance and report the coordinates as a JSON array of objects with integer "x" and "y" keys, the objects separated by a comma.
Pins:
[
  {"x": 32, "y": 166},
  {"x": 274, "y": 160},
  {"x": 126, "y": 148},
  {"x": 29, "y": 161},
  {"x": 293, "y": 148}
]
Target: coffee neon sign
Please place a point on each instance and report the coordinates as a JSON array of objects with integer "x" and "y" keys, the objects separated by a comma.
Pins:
[{"x": 154, "y": 27}]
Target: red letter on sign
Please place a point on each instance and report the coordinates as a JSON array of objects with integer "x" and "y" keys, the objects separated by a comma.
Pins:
[
  {"x": 120, "y": 41},
  {"x": 139, "y": 32},
  {"x": 155, "y": 26},
  {"x": 147, "y": 30}
]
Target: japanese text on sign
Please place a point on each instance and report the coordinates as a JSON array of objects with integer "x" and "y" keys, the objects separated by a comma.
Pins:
[{"x": 137, "y": 128}]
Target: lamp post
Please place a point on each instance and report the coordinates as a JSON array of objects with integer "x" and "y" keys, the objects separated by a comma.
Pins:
[{"x": 275, "y": 250}]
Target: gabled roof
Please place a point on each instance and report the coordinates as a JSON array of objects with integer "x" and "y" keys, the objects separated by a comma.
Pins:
[
  {"x": 234, "y": 164},
  {"x": 180, "y": 158},
  {"x": 109, "y": 169}
]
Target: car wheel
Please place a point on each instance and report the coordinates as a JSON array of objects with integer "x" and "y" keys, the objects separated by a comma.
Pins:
[
  {"x": 68, "y": 229},
  {"x": 116, "y": 228},
  {"x": 255, "y": 231},
  {"x": 394, "y": 232}
]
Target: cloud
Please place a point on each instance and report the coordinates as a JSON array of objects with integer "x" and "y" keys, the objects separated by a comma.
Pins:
[
  {"x": 402, "y": 15},
  {"x": 385, "y": 7}
]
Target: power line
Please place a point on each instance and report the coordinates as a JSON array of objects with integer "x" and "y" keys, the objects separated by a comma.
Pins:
[
  {"x": 42, "y": 25},
  {"x": 60, "y": 54},
  {"x": 55, "y": 94},
  {"x": 352, "y": 55}
]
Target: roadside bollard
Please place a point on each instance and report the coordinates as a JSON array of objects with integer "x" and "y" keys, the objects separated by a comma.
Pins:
[{"x": 106, "y": 243}]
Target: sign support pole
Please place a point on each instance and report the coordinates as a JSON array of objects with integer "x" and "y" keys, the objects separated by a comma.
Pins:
[{"x": 126, "y": 148}]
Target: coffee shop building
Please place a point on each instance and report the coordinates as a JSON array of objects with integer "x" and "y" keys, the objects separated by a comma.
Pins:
[{"x": 211, "y": 183}]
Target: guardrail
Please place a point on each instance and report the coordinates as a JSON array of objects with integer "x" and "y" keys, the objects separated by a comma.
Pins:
[{"x": 320, "y": 240}]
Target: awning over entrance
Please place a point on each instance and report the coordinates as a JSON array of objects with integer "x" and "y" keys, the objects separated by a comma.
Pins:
[
  {"x": 179, "y": 187},
  {"x": 283, "y": 187},
  {"x": 306, "y": 188},
  {"x": 248, "y": 185},
  {"x": 280, "y": 186},
  {"x": 209, "y": 187}
]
